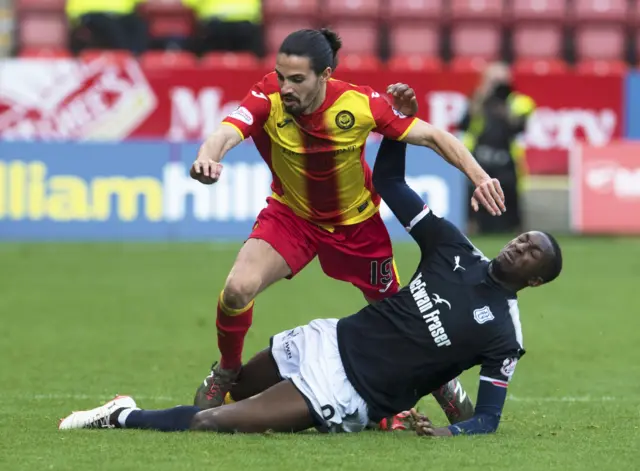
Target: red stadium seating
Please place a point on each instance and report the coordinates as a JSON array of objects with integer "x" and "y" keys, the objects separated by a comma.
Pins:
[
  {"x": 40, "y": 5},
  {"x": 468, "y": 64},
  {"x": 230, "y": 60},
  {"x": 44, "y": 53},
  {"x": 42, "y": 30},
  {"x": 290, "y": 8},
  {"x": 168, "y": 18},
  {"x": 599, "y": 11},
  {"x": 538, "y": 10},
  {"x": 358, "y": 37},
  {"x": 476, "y": 40},
  {"x": 111, "y": 56},
  {"x": 420, "y": 39},
  {"x": 415, "y": 10},
  {"x": 356, "y": 9},
  {"x": 477, "y": 10},
  {"x": 277, "y": 31},
  {"x": 404, "y": 63},
  {"x": 540, "y": 66},
  {"x": 537, "y": 40},
  {"x": 603, "y": 42},
  {"x": 599, "y": 67},
  {"x": 167, "y": 60},
  {"x": 359, "y": 62}
]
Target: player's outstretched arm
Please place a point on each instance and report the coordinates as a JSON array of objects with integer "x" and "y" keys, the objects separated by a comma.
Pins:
[
  {"x": 488, "y": 191},
  {"x": 207, "y": 167},
  {"x": 389, "y": 181},
  {"x": 485, "y": 420}
]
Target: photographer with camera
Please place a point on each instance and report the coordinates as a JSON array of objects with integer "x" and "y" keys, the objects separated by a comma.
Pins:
[{"x": 496, "y": 116}]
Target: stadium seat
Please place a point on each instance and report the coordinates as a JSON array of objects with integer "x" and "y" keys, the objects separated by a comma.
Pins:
[
  {"x": 468, "y": 64},
  {"x": 168, "y": 19},
  {"x": 111, "y": 56},
  {"x": 420, "y": 39},
  {"x": 602, "y": 67},
  {"x": 230, "y": 60},
  {"x": 599, "y": 11},
  {"x": 415, "y": 10},
  {"x": 290, "y": 9},
  {"x": 44, "y": 53},
  {"x": 476, "y": 40},
  {"x": 603, "y": 42},
  {"x": 347, "y": 9},
  {"x": 40, "y": 6},
  {"x": 414, "y": 63},
  {"x": 538, "y": 10},
  {"x": 540, "y": 66},
  {"x": 277, "y": 31},
  {"x": 358, "y": 37},
  {"x": 42, "y": 30},
  {"x": 362, "y": 62},
  {"x": 153, "y": 60},
  {"x": 537, "y": 40},
  {"x": 477, "y": 10}
]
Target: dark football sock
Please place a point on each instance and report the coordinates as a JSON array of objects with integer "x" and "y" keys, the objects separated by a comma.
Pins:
[{"x": 176, "y": 419}]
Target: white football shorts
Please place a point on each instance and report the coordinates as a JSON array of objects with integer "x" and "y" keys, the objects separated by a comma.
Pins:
[{"x": 308, "y": 356}]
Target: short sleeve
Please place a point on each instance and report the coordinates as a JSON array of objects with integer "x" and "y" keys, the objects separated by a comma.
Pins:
[
  {"x": 252, "y": 113},
  {"x": 389, "y": 121},
  {"x": 498, "y": 369}
]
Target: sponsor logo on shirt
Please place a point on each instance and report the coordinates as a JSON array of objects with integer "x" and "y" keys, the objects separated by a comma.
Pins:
[
  {"x": 242, "y": 114},
  {"x": 509, "y": 367},
  {"x": 430, "y": 315}
]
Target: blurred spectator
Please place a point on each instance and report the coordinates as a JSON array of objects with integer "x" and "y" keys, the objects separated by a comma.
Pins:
[
  {"x": 107, "y": 24},
  {"x": 6, "y": 28},
  {"x": 495, "y": 117},
  {"x": 228, "y": 25}
]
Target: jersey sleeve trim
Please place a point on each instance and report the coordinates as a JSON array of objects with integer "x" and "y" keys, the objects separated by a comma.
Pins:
[
  {"x": 404, "y": 134},
  {"x": 495, "y": 382},
  {"x": 425, "y": 212},
  {"x": 236, "y": 128}
]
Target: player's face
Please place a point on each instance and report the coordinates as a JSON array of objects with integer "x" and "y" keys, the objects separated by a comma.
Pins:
[
  {"x": 525, "y": 258},
  {"x": 299, "y": 84}
]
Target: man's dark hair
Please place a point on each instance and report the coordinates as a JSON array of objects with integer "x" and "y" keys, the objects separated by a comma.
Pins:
[
  {"x": 320, "y": 46},
  {"x": 555, "y": 265}
]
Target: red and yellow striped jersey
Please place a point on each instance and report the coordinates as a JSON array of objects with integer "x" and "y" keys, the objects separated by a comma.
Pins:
[{"x": 317, "y": 160}]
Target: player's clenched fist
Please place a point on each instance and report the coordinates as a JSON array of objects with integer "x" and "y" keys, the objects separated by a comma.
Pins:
[{"x": 206, "y": 171}]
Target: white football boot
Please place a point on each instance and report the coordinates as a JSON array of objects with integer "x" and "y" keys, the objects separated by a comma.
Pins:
[{"x": 100, "y": 417}]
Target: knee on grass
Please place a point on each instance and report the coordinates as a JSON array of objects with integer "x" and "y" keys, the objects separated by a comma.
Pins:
[{"x": 206, "y": 421}]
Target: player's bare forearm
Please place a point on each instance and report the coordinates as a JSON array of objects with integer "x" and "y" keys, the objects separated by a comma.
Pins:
[
  {"x": 449, "y": 148},
  {"x": 219, "y": 142},
  {"x": 207, "y": 167}
]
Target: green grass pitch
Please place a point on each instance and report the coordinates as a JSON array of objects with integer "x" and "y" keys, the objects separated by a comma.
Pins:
[{"x": 81, "y": 322}]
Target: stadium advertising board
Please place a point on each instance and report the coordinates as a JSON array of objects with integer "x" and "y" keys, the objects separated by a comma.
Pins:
[
  {"x": 605, "y": 193},
  {"x": 142, "y": 191},
  {"x": 65, "y": 99},
  {"x": 632, "y": 108}
]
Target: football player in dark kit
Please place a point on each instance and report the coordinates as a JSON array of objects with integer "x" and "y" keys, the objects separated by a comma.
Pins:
[{"x": 459, "y": 310}]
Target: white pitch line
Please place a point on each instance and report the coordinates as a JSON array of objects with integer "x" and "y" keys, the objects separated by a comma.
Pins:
[{"x": 511, "y": 397}]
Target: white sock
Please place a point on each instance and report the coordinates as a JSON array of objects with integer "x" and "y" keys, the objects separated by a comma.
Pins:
[{"x": 122, "y": 417}]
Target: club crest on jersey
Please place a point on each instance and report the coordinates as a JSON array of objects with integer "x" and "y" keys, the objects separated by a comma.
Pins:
[
  {"x": 483, "y": 315},
  {"x": 345, "y": 120}
]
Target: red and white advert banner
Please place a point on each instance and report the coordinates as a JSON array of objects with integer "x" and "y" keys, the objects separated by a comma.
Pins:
[
  {"x": 605, "y": 193},
  {"x": 98, "y": 100}
]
